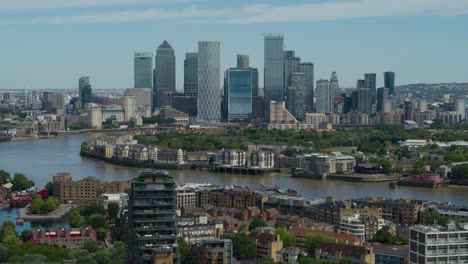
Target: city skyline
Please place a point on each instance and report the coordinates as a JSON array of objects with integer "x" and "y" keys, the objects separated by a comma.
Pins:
[{"x": 350, "y": 43}]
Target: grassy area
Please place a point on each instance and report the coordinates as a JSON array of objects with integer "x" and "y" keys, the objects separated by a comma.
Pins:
[{"x": 344, "y": 150}]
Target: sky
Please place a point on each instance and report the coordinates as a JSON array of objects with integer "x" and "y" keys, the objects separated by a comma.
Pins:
[{"x": 49, "y": 44}]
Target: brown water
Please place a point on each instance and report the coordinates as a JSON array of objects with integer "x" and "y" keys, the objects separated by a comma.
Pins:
[{"x": 40, "y": 159}]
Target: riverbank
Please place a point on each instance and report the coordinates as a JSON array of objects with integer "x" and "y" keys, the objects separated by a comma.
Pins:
[
  {"x": 345, "y": 177},
  {"x": 60, "y": 212}
]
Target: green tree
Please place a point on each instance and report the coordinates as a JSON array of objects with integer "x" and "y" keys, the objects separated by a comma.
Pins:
[
  {"x": 4, "y": 177},
  {"x": 186, "y": 256},
  {"x": 82, "y": 256},
  {"x": 90, "y": 246},
  {"x": 345, "y": 261},
  {"x": 97, "y": 221},
  {"x": 266, "y": 261},
  {"x": 313, "y": 242},
  {"x": 289, "y": 239},
  {"x": 50, "y": 188},
  {"x": 460, "y": 171},
  {"x": 29, "y": 258},
  {"x": 101, "y": 233},
  {"x": 21, "y": 182},
  {"x": 113, "y": 211},
  {"x": 25, "y": 235},
  {"x": 10, "y": 238},
  {"x": 244, "y": 247},
  {"x": 7, "y": 225},
  {"x": 36, "y": 204},
  {"x": 385, "y": 164},
  {"x": 256, "y": 222}
]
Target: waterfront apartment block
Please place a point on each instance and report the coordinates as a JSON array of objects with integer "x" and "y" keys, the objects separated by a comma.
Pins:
[
  {"x": 85, "y": 190},
  {"x": 152, "y": 218},
  {"x": 437, "y": 244}
]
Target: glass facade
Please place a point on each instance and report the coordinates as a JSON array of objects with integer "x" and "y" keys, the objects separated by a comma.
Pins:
[
  {"x": 274, "y": 71},
  {"x": 191, "y": 74},
  {"x": 238, "y": 95},
  {"x": 209, "y": 82},
  {"x": 164, "y": 72},
  {"x": 389, "y": 82},
  {"x": 143, "y": 70}
]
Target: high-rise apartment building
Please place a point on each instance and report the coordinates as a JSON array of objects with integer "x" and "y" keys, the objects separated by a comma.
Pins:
[
  {"x": 296, "y": 95},
  {"x": 308, "y": 69},
  {"x": 438, "y": 244},
  {"x": 128, "y": 106},
  {"x": 152, "y": 219},
  {"x": 191, "y": 74},
  {"x": 143, "y": 70},
  {"x": 334, "y": 86},
  {"x": 389, "y": 82},
  {"x": 209, "y": 99},
  {"x": 164, "y": 72},
  {"x": 274, "y": 71},
  {"x": 142, "y": 103},
  {"x": 325, "y": 99},
  {"x": 84, "y": 89}
]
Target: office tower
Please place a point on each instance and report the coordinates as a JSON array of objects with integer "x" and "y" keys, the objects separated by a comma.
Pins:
[
  {"x": 242, "y": 61},
  {"x": 164, "y": 72},
  {"x": 84, "y": 89},
  {"x": 273, "y": 72},
  {"x": 382, "y": 95},
  {"x": 371, "y": 83},
  {"x": 438, "y": 244},
  {"x": 209, "y": 95},
  {"x": 389, "y": 82},
  {"x": 291, "y": 64},
  {"x": 324, "y": 95},
  {"x": 152, "y": 218},
  {"x": 408, "y": 110},
  {"x": 334, "y": 85},
  {"x": 237, "y": 103},
  {"x": 354, "y": 101},
  {"x": 460, "y": 107},
  {"x": 308, "y": 69},
  {"x": 258, "y": 108},
  {"x": 296, "y": 95},
  {"x": 142, "y": 101},
  {"x": 143, "y": 70},
  {"x": 214, "y": 251},
  {"x": 191, "y": 74},
  {"x": 364, "y": 95},
  {"x": 422, "y": 105},
  {"x": 128, "y": 106}
]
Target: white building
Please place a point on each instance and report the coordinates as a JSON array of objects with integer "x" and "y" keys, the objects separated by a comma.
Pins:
[
  {"x": 364, "y": 228},
  {"x": 185, "y": 197},
  {"x": 142, "y": 101},
  {"x": 232, "y": 158},
  {"x": 437, "y": 244},
  {"x": 261, "y": 159}
]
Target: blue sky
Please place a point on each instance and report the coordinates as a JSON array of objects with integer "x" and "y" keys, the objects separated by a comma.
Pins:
[{"x": 49, "y": 44}]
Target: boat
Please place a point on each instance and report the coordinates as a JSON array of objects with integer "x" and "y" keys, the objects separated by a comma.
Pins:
[
  {"x": 392, "y": 185},
  {"x": 20, "y": 221}
]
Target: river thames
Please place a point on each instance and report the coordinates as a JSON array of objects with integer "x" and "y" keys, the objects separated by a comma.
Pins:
[{"x": 40, "y": 159}]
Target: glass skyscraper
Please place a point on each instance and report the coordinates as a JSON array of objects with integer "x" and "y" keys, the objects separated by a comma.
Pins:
[
  {"x": 143, "y": 70},
  {"x": 296, "y": 95},
  {"x": 389, "y": 82},
  {"x": 274, "y": 71},
  {"x": 84, "y": 90},
  {"x": 209, "y": 92},
  {"x": 191, "y": 74},
  {"x": 238, "y": 95},
  {"x": 324, "y": 97},
  {"x": 164, "y": 72},
  {"x": 308, "y": 69},
  {"x": 291, "y": 64}
]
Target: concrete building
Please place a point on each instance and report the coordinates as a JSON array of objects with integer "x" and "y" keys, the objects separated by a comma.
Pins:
[
  {"x": 209, "y": 92},
  {"x": 232, "y": 158},
  {"x": 215, "y": 251},
  {"x": 164, "y": 72},
  {"x": 261, "y": 159},
  {"x": 364, "y": 228},
  {"x": 143, "y": 70},
  {"x": 185, "y": 197},
  {"x": 128, "y": 106},
  {"x": 325, "y": 97},
  {"x": 142, "y": 102},
  {"x": 334, "y": 252},
  {"x": 278, "y": 114},
  {"x": 274, "y": 71},
  {"x": 152, "y": 219},
  {"x": 290, "y": 255},
  {"x": 180, "y": 117},
  {"x": 191, "y": 74},
  {"x": 296, "y": 102},
  {"x": 437, "y": 244},
  {"x": 64, "y": 237},
  {"x": 267, "y": 242}
]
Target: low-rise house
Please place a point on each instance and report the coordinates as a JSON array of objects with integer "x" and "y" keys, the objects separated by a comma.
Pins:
[
  {"x": 335, "y": 252},
  {"x": 301, "y": 235},
  {"x": 290, "y": 255},
  {"x": 64, "y": 237},
  {"x": 267, "y": 242}
]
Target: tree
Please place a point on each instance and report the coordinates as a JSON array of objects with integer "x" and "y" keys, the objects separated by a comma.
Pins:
[
  {"x": 244, "y": 247},
  {"x": 345, "y": 261},
  {"x": 10, "y": 238},
  {"x": 25, "y": 235},
  {"x": 21, "y": 182},
  {"x": 97, "y": 221},
  {"x": 186, "y": 256},
  {"x": 50, "y": 189},
  {"x": 29, "y": 258},
  {"x": 113, "y": 211},
  {"x": 289, "y": 239},
  {"x": 90, "y": 246},
  {"x": 36, "y": 204},
  {"x": 266, "y": 261},
  {"x": 314, "y": 241},
  {"x": 101, "y": 233},
  {"x": 256, "y": 222},
  {"x": 4, "y": 177},
  {"x": 7, "y": 225},
  {"x": 385, "y": 164},
  {"x": 82, "y": 256},
  {"x": 460, "y": 171}
]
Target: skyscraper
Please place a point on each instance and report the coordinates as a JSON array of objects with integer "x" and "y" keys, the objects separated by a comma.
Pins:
[
  {"x": 308, "y": 69},
  {"x": 209, "y": 103},
  {"x": 143, "y": 70},
  {"x": 334, "y": 86},
  {"x": 191, "y": 74},
  {"x": 324, "y": 97},
  {"x": 84, "y": 90},
  {"x": 389, "y": 82},
  {"x": 296, "y": 95},
  {"x": 164, "y": 73},
  {"x": 152, "y": 218},
  {"x": 371, "y": 83},
  {"x": 238, "y": 95},
  {"x": 242, "y": 61},
  {"x": 141, "y": 101},
  {"x": 364, "y": 102},
  {"x": 291, "y": 64},
  {"x": 382, "y": 95},
  {"x": 274, "y": 71}
]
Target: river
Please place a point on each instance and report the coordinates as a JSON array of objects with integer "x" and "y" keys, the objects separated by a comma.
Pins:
[{"x": 40, "y": 159}]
